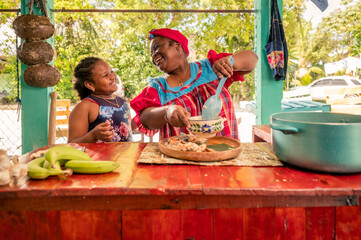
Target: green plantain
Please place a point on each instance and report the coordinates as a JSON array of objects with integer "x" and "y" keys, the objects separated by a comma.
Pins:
[
  {"x": 57, "y": 165},
  {"x": 65, "y": 153},
  {"x": 37, "y": 171},
  {"x": 91, "y": 167}
]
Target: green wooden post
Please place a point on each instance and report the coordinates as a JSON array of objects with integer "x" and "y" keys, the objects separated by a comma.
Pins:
[
  {"x": 269, "y": 92},
  {"x": 35, "y": 102}
]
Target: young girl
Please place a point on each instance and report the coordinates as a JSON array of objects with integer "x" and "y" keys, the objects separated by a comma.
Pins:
[
  {"x": 168, "y": 100},
  {"x": 100, "y": 116}
]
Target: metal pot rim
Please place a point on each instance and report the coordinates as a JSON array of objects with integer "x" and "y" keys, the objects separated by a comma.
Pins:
[{"x": 278, "y": 117}]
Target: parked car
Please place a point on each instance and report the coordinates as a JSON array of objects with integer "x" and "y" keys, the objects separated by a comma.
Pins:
[
  {"x": 298, "y": 92},
  {"x": 317, "y": 88}
]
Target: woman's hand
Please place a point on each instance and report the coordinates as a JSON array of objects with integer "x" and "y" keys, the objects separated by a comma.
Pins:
[
  {"x": 244, "y": 62},
  {"x": 103, "y": 131},
  {"x": 222, "y": 67},
  {"x": 176, "y": 116},
  {"x": 155, "y": 117}
]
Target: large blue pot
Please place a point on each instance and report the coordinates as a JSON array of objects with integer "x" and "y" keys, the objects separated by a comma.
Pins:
[{"x": 320, "y": 141}]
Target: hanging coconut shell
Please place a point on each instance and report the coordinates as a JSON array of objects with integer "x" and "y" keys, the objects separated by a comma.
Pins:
[
  {"x": 41, "y": 75},
  {"x": 33, "y": 27},
  {"x": 38, "y": 52}
]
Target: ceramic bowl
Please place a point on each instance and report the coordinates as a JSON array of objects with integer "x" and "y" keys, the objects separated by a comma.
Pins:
[{"x": 205, "y": 128}]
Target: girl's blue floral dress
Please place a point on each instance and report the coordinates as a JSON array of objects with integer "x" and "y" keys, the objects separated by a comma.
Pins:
[{"x": 117, "y": 116}]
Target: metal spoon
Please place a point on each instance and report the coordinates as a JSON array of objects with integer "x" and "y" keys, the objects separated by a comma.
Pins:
[{"x": 212, "y": 107}]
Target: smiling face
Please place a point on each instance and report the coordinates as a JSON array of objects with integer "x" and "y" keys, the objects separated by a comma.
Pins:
[
  {"x": 104, "y": 79},
  {"x": 166, "y": 54}
]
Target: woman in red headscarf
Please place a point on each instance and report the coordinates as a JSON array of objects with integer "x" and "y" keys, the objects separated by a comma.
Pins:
[{"x": 168, "y": 100}]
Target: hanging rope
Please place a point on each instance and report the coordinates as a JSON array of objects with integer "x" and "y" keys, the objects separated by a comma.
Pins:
[
  {"x": 40, "y": 4},
  {"x": 18, "y": 99}
]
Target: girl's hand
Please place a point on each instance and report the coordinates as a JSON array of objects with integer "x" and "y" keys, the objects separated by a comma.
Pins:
[
  {"x": 104, "y": 131},
  {"x": 222, "y": 67},
  {"x": 177, "y": 116}
]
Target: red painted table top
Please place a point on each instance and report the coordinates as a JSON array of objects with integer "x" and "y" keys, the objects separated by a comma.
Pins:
[{"x": 137, "y": 186}]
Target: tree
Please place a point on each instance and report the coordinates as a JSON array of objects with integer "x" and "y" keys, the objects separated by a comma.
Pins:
[
  {"x": 8, "y": 74},
  {"x": 297, "y": 31},
  {"x": 337, "y": 36},
  {"x": 121, "y": 38}
]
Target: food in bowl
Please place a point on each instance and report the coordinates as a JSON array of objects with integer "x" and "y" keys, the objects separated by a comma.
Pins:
[
  {"x": 205, "y": 128},
  {"x": 188, "y": 142}
]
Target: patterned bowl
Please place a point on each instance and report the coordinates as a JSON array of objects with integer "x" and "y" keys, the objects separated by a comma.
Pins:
[{"x": 205, "y": 128}]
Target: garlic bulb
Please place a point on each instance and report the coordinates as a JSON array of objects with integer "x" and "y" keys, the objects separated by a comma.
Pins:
[
  {"x": 19, "y": 170},
  {"x": 5, "y": 177},
  {"x": 12, "y": 172},
  {"x": 4, "y": 160}
]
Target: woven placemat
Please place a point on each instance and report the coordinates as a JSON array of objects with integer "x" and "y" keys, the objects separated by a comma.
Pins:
[{"x": 252, "y": 154}]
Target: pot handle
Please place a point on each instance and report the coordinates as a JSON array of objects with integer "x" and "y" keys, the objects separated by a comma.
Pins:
[{"x": 284, "y": 128}]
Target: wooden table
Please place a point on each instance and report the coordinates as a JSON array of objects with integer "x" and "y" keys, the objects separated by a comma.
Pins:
[
  {"x": 261, "y": 133},
  {"x": 182, "y": 202}
]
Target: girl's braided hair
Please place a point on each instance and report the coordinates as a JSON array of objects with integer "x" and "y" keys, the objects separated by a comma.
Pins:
[{"x": 83, "y": 73}]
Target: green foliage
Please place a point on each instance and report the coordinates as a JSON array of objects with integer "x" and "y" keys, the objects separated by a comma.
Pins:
[
  {"x": 9, "y": 80},
  {"x": 316, "y": 73},
  {"x": 121, "y": 38},
  {"x": 337, "y": 36},
  {"x": 307, "y": 79},
  {"x": 297, "y": 34},
  {"x": 8, "y": 75},
  {"x": 313, "y": 74},
  {"x": 340, "y": 73},
  {"x": 243, "y": 90}
]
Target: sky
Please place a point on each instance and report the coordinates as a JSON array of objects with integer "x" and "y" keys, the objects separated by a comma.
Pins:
[{"x": 314, "y": 14}]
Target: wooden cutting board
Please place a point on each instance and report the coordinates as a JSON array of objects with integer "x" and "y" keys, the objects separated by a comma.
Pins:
[{"x": 204, "y": 156}]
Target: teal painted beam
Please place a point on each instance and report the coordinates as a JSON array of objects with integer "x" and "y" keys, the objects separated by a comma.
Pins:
[
  {"x": 269, "y": 92},
  {"x": 35, "y": 102}
]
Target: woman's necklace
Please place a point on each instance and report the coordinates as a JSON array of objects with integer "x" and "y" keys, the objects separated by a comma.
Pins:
[
  {"x": 114, "y": 104},
  {"x": 182, "y": 80}
]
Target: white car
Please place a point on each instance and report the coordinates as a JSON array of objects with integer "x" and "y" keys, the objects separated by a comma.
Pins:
[
  {"x": 317, "y": 88},
  {"x": 298, "y": 92}
]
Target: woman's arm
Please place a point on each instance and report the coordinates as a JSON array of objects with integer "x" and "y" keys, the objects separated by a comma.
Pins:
[
  {"x": 245, "y": 61},
  {"x": 156, "y": 117}
]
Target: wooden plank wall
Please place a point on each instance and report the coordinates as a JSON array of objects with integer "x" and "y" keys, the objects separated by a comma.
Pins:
[{"x": 217, "y": 224}]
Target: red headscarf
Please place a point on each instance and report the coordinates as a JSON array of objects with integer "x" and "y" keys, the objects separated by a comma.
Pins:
[{"x": 171, "y": 34}]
